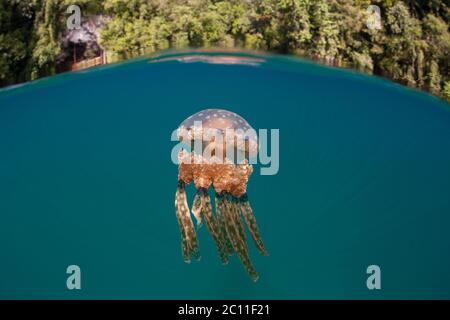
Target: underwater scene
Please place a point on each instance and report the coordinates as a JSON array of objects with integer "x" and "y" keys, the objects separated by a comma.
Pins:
[{"x": 359, "y": 176}]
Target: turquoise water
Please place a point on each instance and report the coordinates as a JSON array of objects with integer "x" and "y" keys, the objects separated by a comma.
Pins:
[{"x": 86, "y": 179}]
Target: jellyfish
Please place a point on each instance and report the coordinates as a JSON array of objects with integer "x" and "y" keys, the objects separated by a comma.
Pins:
[{"x": 218, "y": 147}]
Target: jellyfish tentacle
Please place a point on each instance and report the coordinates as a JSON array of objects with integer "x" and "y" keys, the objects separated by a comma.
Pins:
[
  {"x": 189, "y": 242},
  {"x": 234, "y": 234},
  {"x": 238, "y": 221},
  {"x": 212, "y": 225},
  {"x": 238, "y": 218},
  {"x": 197, "y": 208},
  {"x": 184, "y": 243},
  {"x": 220, "y": 208},
  {"x": 245, "y": 207}
]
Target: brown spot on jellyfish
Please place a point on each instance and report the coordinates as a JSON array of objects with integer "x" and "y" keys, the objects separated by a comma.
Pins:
[{"x": 218, "y": 145}]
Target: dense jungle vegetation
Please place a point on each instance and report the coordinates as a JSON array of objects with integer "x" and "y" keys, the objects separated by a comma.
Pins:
[{"x": 412, "y": 47}]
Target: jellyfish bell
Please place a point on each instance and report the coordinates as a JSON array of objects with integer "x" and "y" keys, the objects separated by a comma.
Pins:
[
  {"x": 219, "y": 145},
  {"x": 221, "y": 134}
]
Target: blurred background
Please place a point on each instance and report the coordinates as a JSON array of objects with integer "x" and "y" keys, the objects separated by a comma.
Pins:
[{"x": 410, "y": 43}]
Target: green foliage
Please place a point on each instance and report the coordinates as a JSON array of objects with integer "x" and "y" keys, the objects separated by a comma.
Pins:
[
  {"x": 13, "y": 37},
  {"x": 446, "y": 91},
  {"x": 46, "y": 48},
  {"x": 325, "y": 30},
  {"x": 434, "y": 78},
  {"x": 413, "y": 46}
]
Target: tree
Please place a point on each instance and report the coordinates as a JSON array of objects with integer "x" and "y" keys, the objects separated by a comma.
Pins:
[
  {"x": 325, "y": 41},
  {"x": 412, "y": 47},
  {"x": 446, "y": 91},
  {"x": 293, "y": 24}
]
